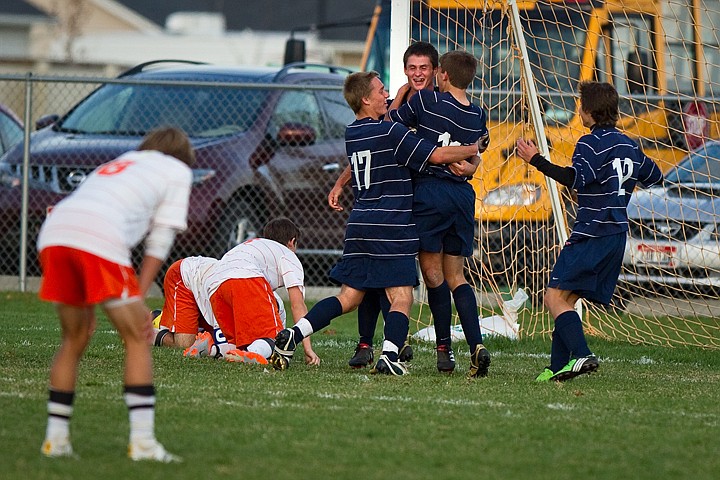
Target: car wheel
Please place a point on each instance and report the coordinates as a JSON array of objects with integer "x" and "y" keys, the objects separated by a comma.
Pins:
[{"x": 239, "y": 222}]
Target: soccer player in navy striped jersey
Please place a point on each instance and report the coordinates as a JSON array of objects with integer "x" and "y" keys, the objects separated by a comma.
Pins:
[
  {"x": 606, "y": 167},
  {"x": 381, "y": 240},
  {"x": 444, "y": 205},
  {"x": 420, "y": 62}
]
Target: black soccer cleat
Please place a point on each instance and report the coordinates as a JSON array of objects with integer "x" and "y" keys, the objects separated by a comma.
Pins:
[
  {"x": 479, "y": 362},
  {"x": 285, "y": 345},
  {"x": 406, "y": 353},
  {"x": 445, "y": 359},
  {"x": 387, "y": 367},
  {"x": 363, "y": 356}
]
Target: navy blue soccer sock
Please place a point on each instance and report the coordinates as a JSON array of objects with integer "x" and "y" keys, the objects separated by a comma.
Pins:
[
  {"x": 466, "y": 306},
  {"x": 559, "y": 353},
  {"x": 396, "y": 331},
  {"x": 441, "y": 309},
  {"x": 320, "y": 315},
  {"x": 569, "y": 326},
  {"x": 367, "y": 315},
  {"x": 396, "y": 328}
]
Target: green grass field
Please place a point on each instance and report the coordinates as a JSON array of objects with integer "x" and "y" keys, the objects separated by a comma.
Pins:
[{"x": 650, "y": 412}]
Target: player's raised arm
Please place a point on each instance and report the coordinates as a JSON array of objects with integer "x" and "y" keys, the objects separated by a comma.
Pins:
[{"x": 528, "y": 151}]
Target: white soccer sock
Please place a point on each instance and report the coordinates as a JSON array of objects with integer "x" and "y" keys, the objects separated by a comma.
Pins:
[
  {"x": 388, "y": 346},
  {"x": 261, "y": 347},
  {"x": 221, "y": 348},
  {"x": 305, "y": 327},
  {"x": 58, "y": 425},
  {"x": 142, "y": 416}
]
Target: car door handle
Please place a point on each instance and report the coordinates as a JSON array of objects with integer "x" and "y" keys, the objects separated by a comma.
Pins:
[{"x": 331, "y": 167}]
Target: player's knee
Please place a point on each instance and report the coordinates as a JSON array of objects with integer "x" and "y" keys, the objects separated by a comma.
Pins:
[{"x": 433, "y": 277}]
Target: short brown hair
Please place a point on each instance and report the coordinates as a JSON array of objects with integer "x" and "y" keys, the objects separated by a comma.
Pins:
[
  {"x": 356, "y": 87},
  {"x": 281, "y": 230},
  {"x": 170, "y": 141},
  {"x": 460, "y": 66},
  {"x": 601, "y": 101},
  {"x": 422, "y": 49}
]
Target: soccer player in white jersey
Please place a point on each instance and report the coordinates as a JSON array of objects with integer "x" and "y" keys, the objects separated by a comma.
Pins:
[
  {"x": 241, "y": 288},
  {"x": 187, "y": 319},
  {"x": 85, "y": 246},
  {"x": 380, "y": 240},
  {"x": 186, "y": 310},
  {"x": 606, "y": 167}
]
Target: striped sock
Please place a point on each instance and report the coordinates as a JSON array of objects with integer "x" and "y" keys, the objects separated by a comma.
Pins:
[
  {"x": 140, "y": 401},
  {"x": 60, "y": 409}
]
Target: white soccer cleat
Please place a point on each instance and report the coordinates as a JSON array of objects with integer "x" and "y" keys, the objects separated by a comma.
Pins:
[
  {"x": 151, "y": 450},
  {"x": 201, "y": 347},
  {"x": 241, "y": 356},
  {"x": 57, "y": 447}
]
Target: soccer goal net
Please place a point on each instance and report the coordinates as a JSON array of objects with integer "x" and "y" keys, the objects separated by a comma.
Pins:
[{"x": 663, "y": 57}]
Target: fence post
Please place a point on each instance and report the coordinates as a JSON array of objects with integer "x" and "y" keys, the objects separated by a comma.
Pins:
[{"x": 26, "y": 176}]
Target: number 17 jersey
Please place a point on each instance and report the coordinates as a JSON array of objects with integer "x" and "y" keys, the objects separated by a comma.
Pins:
[{"x": 381, "y": 155}]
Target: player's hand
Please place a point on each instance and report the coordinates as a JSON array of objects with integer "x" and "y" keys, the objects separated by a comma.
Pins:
[
  {"x": 526, "y": 149},
  {"x": 334, "y": 198},
  {"x": 402, "y": 91},
  {"x": 463, "y": 168},
  {"x": 311, "y": 357}
]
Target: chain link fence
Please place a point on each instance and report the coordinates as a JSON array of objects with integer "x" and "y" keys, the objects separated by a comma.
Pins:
[{"x": 263, "y": 150}]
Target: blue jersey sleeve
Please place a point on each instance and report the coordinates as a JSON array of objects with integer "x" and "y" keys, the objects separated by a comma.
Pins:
[
  {"x": 412, "y": 151},
  {"x": 406, "y": 114},
  {"x": 582, "y": 162},
  {"x": 649, "y": 174}
]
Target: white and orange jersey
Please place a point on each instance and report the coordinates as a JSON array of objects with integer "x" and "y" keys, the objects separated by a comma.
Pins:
[
  {"x": 259, "y": 257},
  {"x": 194, "y": 272},
  {"x": 119, "y": 202}
]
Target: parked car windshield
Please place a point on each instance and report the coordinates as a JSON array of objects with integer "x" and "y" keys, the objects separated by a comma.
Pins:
[
  {"x": 136, "y": 109},
  {"x": 701, "y": 166}
]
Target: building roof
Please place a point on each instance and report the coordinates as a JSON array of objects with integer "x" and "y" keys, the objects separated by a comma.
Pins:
[
  {"x": 19, "y": 8},
  {"x": 272, "y": 15}
]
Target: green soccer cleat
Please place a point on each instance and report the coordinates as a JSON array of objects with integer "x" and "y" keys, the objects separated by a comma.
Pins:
[
  {"x": 545, "y": 376},
  {"x": 575, "y": 367}
]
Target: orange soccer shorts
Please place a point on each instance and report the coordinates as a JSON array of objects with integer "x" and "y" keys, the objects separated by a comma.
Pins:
[
  {"x": 78, "y": 278},
  {"x": 180, "y": 312},
  {"x": 246, "y": 310}
]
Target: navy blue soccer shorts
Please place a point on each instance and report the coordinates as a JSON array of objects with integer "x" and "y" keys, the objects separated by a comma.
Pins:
[
  {"x": 364, "y": 273},
  {"x": 590, "y": 267},
  {"x": 444, "y": 212}
]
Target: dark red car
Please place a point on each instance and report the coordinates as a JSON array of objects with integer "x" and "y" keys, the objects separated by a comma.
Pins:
[{"x": 268, "y": 142}]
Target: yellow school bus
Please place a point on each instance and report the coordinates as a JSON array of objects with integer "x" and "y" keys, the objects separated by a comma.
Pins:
[{"x": 655, "y": 52}]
